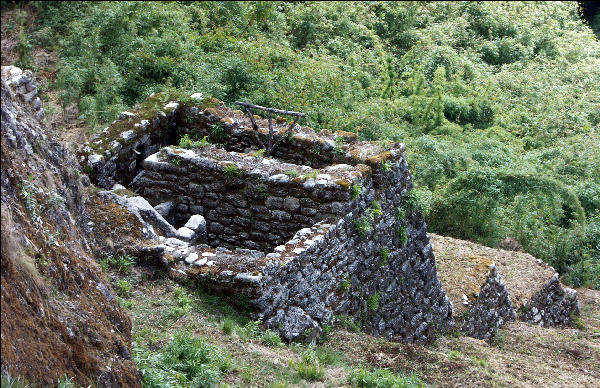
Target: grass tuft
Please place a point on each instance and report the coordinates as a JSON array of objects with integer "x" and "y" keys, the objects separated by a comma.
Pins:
[{"x": 382, "y": 378}]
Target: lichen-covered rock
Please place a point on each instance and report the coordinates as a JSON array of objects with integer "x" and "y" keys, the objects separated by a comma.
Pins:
[{"x": 153, "y": 222}]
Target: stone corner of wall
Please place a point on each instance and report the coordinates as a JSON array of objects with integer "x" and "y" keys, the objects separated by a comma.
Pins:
[
  {"x": 491, "y": 309},
  {"x": 552, "y": 305}
]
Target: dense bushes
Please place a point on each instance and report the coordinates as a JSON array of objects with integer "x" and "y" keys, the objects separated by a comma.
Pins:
[{"x": 498, "y": 101}]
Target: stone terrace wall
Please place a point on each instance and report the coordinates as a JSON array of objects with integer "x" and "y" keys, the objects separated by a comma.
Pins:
[
  {"x": 254, "y": 204},
  {"x": 485, "y": 299},
  {"x": 491, "y": 309},
  {"x": 116, "y": 154},
  {"x": 345, "y": 273},
  {"x": 331, "y": 269},
  {"x": 553, "y": 305},
  {"x": 358, "y": 252}
]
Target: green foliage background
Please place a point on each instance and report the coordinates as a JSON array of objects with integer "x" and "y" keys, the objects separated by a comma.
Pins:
[{"x": 498, "y": 102}]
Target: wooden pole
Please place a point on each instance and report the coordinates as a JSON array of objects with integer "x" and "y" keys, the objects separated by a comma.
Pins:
[
  {"x": 271, "y": 146},
  {"x": 272, "y": 110},
  {"x": 255, "y": 127}
]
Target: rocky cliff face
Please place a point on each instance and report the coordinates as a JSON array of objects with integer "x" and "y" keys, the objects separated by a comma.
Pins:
[{"x": 59, "y": 316}]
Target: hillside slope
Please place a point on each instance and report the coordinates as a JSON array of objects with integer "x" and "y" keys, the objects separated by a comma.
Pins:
[
  {"x": 521, "y": 354},
  {"x": 59, "y": 316}
]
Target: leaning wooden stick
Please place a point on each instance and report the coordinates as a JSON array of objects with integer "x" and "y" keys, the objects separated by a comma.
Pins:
[
  {"x": 255, "y": 127},
  {"x": 270, "y": 130},
  {"x": 271, "y": 146}
]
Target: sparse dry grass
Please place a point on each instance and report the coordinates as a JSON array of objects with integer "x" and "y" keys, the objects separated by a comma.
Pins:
[{"x": 526, "y": 355}]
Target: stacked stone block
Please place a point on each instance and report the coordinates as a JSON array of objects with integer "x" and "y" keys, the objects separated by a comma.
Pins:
[
  {"x": 24, "y": 85},
  {"x": 491, "y": 309},
  {"x": 248, "y": 201},
  {"x": 553, "y": 305}
]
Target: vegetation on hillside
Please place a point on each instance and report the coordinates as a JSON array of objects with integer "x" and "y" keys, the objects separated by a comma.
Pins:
[{"x": 498, "y": 102}]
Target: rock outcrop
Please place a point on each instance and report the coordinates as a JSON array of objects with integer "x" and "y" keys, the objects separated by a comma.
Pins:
[{"x": 59, "y": 315}]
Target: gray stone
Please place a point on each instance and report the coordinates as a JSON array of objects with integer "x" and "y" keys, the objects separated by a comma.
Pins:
[
  {"x": 191, "y": 258},
  {"x": 185, "y": 234},
  {"x": 175, "y": 243},
  {"x": 291, "y": 204},
  {"x": 196, "y": 222},
  {"x": 128, "y": 135},
  {"x": 165, "y": 209}
]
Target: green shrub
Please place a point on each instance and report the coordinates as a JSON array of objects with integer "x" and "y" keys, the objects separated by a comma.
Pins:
[
  {"x": 232, "y": 171},
  {"x": 124, "y": 263},
  {"x": 271, "y": 338},
  {"x": 386, "y": 166},
  {"x": 375, "y": 208},
  {"x": 356, "y": 190},
  {"x": 186, "y": 142},
  {"x": 345, "y": 284},
  {"x": 347, "y": 323},
  {"x": 403, "y": 235},
  {"x": 384, "y": 255},
  {"x": 400, "y": 214},
  {"x": 124, "y": 303},
  {"x": 28, "y": 192},
  {"x": 310, "y": 370},
  {"x": 258, "y": 153},
  {"x": 250, "y": 330},
  {"x": 373, "y": 301},
  {"x": 228, "y": 325},
  {"x": 184, "y": 361},
  {"x": 123, "y": 288},
  {"x": 418, "y": 200},
  {"x": 329, "y": 356},
  {"x": 218, "y": 133}
]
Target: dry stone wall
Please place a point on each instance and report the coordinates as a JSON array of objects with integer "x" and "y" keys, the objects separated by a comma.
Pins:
[
  {"x": 331, "y": 269},
  {"x": 252, "y": 202},
  {"x": 321, "y": 228},
  {"x": 553, "y": 305},
  {"x": 315, "y": 231},
  {"x": 491, "y": 286},
  {"x": 491, "y": 309},
  {"x": 24, "y": 85}
]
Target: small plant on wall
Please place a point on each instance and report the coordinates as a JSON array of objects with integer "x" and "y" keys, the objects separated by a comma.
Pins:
[{"x": 232, "y": 171}]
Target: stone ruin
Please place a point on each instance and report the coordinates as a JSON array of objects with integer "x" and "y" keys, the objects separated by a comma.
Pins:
[
  {"x": 323, "y": 228},
  {"x": 489, "y": 287}
]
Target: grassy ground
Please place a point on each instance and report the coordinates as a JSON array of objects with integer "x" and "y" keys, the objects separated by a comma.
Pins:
[{"x": 522, "y": 354}]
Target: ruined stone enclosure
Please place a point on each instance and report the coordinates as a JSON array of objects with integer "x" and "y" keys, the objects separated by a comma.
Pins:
[{"x": 324, "y": 227}]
